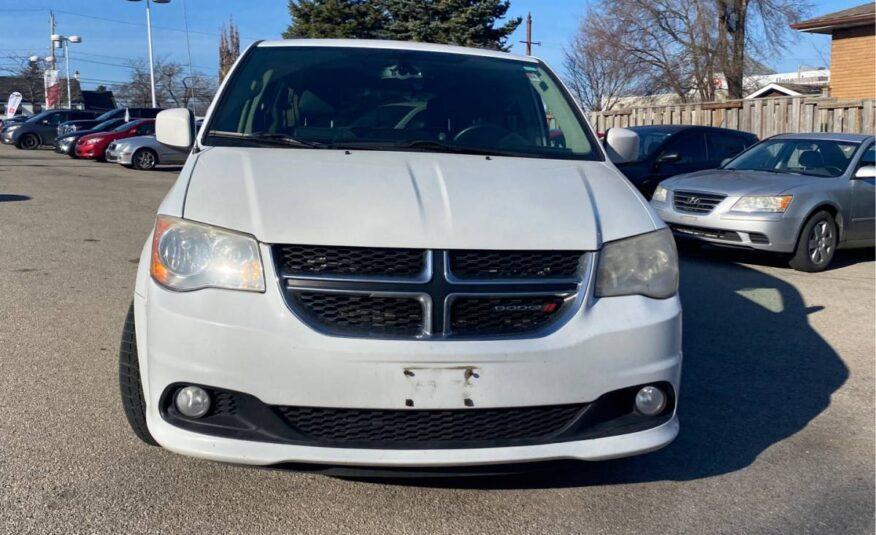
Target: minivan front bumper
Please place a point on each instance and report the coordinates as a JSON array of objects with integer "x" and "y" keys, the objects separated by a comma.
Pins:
[{"x": 252, "y": 343}]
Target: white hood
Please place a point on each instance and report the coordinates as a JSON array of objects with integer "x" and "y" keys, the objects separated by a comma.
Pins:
[{"x": 414, "y": 199}]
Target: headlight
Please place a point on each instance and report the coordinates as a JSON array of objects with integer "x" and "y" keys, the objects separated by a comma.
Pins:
[
  {"x": 660, "y": 194},
  {"x": 644, "y": 265},
  {"x": 12, "y": 127},
  {"x": 763, "y": 204},
  {"x": 190, "y": 256},
  {"x": 94, "y": 141}
]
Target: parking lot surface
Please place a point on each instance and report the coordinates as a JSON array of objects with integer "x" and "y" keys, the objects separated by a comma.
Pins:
[{"x": 776, "y": 407}]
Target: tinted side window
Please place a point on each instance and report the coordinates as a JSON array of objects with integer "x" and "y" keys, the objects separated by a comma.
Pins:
[
  {"x": 146, "y": 129},
  {"x": 869, "y": 157},
  {"x": 57, "y": 118},
  {"x": 722, "y": 146},
  {"x": 690, "y": 147}
]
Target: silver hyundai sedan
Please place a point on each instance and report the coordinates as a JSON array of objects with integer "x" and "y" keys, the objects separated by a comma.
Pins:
[{"x": 803, "y": 194}]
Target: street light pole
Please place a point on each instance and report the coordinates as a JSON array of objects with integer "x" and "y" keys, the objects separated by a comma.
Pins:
[
  {"x": 151, "y": 61},
  {"x": 149, "y": 39},
  {"x": 67, "y": 70}
]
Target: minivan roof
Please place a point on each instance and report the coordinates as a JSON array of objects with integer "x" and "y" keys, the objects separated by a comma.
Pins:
[{"x": 395, "y": 45}]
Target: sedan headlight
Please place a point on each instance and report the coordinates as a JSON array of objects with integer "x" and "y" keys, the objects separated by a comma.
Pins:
[
  {"x": 191, "y": 256},
  {"x": 94, "y": 141},
  {"x": 660, "y": 194},
  {"x": 12, "y": 127},
  {"x": 642, "y": 265},
  {"x": 775, "y": 204}
]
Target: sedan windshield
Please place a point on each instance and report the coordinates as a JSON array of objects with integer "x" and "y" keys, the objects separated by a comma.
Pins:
[
  {"x": 816, "y": 157},
  {"x": 107, "y": 125},
  {"x": 383, "y": 99},
  {"x": 125, "y": 126}
]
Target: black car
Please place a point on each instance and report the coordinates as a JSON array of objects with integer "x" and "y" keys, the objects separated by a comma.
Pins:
[
  {"x": 66, "y": 144},
  {"x": 118, "y": 113},
  {"x": 41, "y": 129},
  {"x": 669, "y": 150}
]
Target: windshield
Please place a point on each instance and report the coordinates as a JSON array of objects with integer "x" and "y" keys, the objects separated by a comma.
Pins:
[
  {"x": 819, "y": 157},
  {"x": 332, "y": 97},
  {"x": 39, "y": 117},
  {"x": 125, "y": 126},
  {"x": 104, "y": 116},
  {"x": 650, "y": 140},
  {"x": 107, "y": 125}
]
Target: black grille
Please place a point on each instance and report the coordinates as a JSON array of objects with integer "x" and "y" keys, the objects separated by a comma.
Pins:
[
  {"x": 702, "y": 232},
  {"x": 312, "y": 260},
  {"x": 515, "y": 264},
  {"x": 223, "y": 404},
  {"x": 757, "y": 237},
  {"x": 361, "y": 314},
  {"x": 411, "y": 427},
  {"x": 490, "y": 316},
  {"x": 696, "y": 203}
]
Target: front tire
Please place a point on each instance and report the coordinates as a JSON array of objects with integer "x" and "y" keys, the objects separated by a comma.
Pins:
[
  {"x": 130, "y": 386},
  {"x": 28, "y": 142},
  {"x": 144, "y": 160},
  {"x": 817, "y": 243}
]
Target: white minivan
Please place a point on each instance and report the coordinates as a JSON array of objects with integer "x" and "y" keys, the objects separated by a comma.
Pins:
[{"x": 391, "y": 254}]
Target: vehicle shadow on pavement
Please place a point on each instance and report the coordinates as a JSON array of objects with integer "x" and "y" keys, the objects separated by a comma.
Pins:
[
  {"x": 11, "y": 197},
  {"x": 754, "y": 374}
]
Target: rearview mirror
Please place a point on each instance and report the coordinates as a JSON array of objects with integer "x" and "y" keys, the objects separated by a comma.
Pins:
[
  {"x": 622, "y": 145},
  {"x": 866, "y": 171},
  {"x": 669, "y": 157},
  {"x": 175, "y": 128}
]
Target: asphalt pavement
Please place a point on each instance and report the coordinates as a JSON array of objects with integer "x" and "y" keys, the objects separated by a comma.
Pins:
[{"x": 776, "y": 405}]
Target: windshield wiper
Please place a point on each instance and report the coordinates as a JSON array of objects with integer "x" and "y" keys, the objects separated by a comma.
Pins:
[
  {"x": 268, "y": 138},
  {"x": 429, "y": 145}
]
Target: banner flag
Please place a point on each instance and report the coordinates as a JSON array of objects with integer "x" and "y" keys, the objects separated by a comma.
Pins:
[
  {"x": 53, "y": 89},
  {"x": 12, "y": 104}
]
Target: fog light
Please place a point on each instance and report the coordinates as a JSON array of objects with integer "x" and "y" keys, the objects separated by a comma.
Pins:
[
  {"x": 192, "y": 401},
  {"x": 650, "y": 401}
]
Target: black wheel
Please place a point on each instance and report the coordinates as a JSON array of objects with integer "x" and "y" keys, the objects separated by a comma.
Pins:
[
  {"x": 144, "y": 159},
  {"x": 28, "y": 142},
  {"x": 129, "y": 381},
  {"x": 816, "y": 244}
]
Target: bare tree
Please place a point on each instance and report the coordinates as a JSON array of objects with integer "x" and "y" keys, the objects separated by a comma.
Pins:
[
  {"x": 30, "y": 76},
  {"x": 173, "y": 87},
  {"x": 749, "y": 28},
  {"x": 676, "y": 39},
  {"x": 598, "y": 73},
  {"x": 229, "y": 49}
]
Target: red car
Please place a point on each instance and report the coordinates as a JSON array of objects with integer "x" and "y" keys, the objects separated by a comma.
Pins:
[{"x": 93, "y": 146}]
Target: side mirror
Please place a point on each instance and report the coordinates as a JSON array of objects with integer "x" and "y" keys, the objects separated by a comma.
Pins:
[
  {"x": 175, "y": 128},
  {"x": 45, "y": 121},
  {"x": 725, "y": 161},
  {"x": 669, "y": 157},
  {"x": 622, "y": 145},
  {"x": 866, "y": 171}
]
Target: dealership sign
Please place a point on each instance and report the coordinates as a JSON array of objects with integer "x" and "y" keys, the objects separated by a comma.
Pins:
[{"x": 12, "y": 104}]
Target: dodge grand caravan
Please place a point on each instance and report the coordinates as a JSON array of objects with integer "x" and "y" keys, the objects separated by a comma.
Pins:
[{"x": 446, "y": 282}]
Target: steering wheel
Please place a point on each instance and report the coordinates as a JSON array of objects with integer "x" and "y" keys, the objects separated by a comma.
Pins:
[
  {"x": 833, "y": 170},
  {"x": 486, "y": 134}
]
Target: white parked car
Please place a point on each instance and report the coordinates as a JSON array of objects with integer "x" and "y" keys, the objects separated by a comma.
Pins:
[{"x": 445, "y": 291}]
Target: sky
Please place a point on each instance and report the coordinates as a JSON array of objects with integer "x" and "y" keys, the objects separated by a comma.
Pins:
[{"x": 114, "y": 32}]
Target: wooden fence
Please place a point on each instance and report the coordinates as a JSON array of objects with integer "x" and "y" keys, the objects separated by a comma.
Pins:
[{"x": 763, "y": 117}]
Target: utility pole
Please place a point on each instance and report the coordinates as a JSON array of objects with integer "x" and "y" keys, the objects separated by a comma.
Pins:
[
  {"x": 51, "y": 33},
  {"x": 529, "y": 42}
]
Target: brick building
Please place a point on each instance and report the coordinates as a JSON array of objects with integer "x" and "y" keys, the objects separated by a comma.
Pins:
[{"x": 852, "y": 51}]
